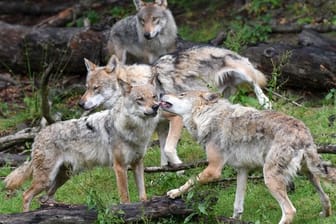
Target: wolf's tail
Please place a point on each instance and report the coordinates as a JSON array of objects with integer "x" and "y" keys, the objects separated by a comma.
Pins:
[
  {"x": 18, "y": 176},
  {"x": 319, "y": 167},
  {"x": 240, "y": 69},
  {"x": 259, "y": 77},
  {"x": 256, "y": 75}
]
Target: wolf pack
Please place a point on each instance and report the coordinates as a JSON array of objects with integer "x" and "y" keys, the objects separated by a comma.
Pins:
[{"x": 167, "y": 90}]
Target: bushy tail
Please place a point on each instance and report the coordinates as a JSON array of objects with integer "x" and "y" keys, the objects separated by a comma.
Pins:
[
  {"x": 257, "y": 76},
  {"x": 240, "y": 69},
  {"x": 260, "y": 78},
  {"x": 319, "y": 167},
  {"x": 18, "y": 176}
]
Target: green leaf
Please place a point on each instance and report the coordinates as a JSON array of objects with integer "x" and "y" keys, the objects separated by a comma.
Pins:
[{"x": 202, "y": 209}]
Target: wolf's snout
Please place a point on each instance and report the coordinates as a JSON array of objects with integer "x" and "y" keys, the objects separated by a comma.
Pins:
[
  {"x": 147, "y": 35},
  {"x": 153, "y": 110},
  {"x": 81, "y": 103},
  {"x": 155, "y": 107}
]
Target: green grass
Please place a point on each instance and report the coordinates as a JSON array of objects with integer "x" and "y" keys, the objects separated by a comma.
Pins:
[{"x": 98, "y": 188}]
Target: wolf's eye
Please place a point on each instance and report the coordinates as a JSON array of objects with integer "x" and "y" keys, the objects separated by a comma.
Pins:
[
  {"x": 96, "y": 88},
  {"x": 139, "y": 100},
  {"x": 155, "y": 97},
  {"x": 142, "y": 21},
  {"x": 156, "y": 20},
  {"x": 182, "y": 94}
]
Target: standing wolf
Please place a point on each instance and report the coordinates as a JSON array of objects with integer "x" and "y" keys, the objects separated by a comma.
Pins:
[
  {"x": 246, "y": 138},
  {"x": 147, "y": 35},
  {"x": 117, "y": 137},
  {"x": 195, "y": 68}
]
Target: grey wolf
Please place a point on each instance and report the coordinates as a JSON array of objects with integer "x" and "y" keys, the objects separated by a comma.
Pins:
[
  {"x": 147, "y": 35},
  {"x": 201, "y": 68},
  {"x": 102, "y": 89},
  {"x": 207, "y": 67},
  {"x": 117, "y": 137},
  {"x": 245, "y": 139}
]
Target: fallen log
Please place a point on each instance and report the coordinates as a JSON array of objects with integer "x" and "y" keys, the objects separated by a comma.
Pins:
[
  {"x": 327, "y": 149},
  {"x": 13, "y": 160},
  {"x": 32, "y": 8},
  {"x": 55, "y": 214},
  {"x": 296, "y": 28},
  {"x": 175, "y": 168},
  {"x": 25, "y": 49},
  {"x": 311, "y": 68},
  {"x": 153, "y": 209},
  {"x": 19, "y": 138}
]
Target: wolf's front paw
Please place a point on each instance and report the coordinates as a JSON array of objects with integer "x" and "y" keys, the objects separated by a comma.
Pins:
[{"x": 174, "y": 193}]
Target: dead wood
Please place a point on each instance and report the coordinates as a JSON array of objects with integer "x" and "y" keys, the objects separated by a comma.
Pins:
[
  {"x": 19, "y": 138},
  {"x": 50, "y": 215},
  {"x": 327, "y": 149},
  {"x": 153, "y": 209},
  {"x": 296, "y": 28},
  {"x": 175, "y": 168},
  {"x": 31, "y": 48},
  {"x": 10, "y": 159},
  {"x": 32, "y": 8},
  {"x": 69, "y": 14},
  {"x": 309, "y": 68},
  {"x": 312, "y": 38},
  {"x": 62, "y": 17}
]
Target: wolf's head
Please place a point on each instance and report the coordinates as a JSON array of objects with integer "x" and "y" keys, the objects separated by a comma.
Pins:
[
  {"x": 101, "y": 85},
  {"x": 142, "y": 100},
  {"x": 152, "y": 17},
  {"x": 185, "y": 103}
]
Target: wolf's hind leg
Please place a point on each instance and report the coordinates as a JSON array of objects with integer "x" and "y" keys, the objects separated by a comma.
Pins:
[
  {"x": 276, "y": 184},
  {"x": 62, "y": 177},
  {"x": 325, "y": 201},
  {"x": 39, "y": 184}
]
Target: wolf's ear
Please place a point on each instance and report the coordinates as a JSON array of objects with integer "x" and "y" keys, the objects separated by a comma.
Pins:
[
  {"x": 162, "y": 3},
  {"x": 125, "y": 87},
  {"x": 138, "y": 4},
  {"x": 112, "y": 64},
  {"x": 90, "y": 66},
  {"x": 210, "y": 97}
]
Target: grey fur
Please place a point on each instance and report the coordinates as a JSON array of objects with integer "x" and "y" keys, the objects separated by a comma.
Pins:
[
  {"x": 120, "y": 135},
  {"x": 128, "y": 34},
  {"x": 246, "y": 139}
]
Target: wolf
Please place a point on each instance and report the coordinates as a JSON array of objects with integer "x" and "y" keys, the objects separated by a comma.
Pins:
[
  {"x": 201, "y": 67},
  {"x": 147, "y": 35},
  {"x": 246, "y": 138},
  {"x": 102, "y": 89},
  {"x": 117, "y": 137}
]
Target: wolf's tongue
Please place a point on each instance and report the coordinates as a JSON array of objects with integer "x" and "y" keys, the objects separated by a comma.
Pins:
[{"x": 165, "y": 104}]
